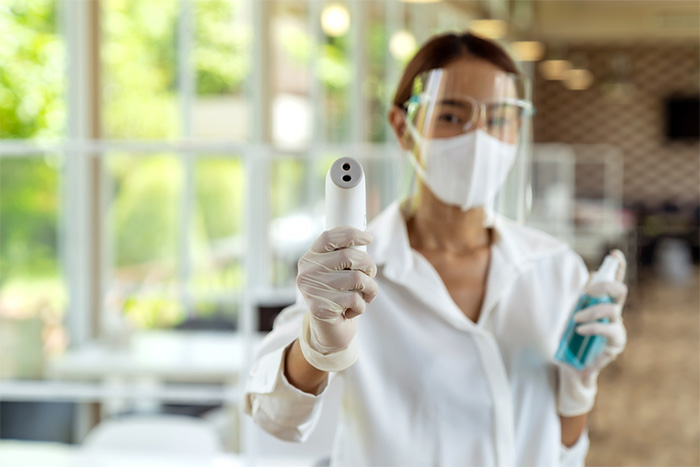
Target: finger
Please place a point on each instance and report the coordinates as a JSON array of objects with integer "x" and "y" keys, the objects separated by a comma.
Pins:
[
  {"x": 345, "y": 281},
  {"x": 360, "y": 282},
  {"x": 353, "y": 304},
  {"x": 594, "y": 328},
  {"x": 613, "y": 331},
  {"x": 347, "y": 258},
  {"x": 601, "y": 361},
  {"x": 616, "y": 290},
  {"x": 602, "y": 310},
  {"x": 323, "y": 304},
  {"x": 616, "y": 343},
  {"x": 622, "y": 268},
  {"x": 350, "y": 314},
  {"x": 340, "y": 237}
]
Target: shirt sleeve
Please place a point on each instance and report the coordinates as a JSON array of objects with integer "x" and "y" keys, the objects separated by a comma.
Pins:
[
  {"x": 275, "y": 405},
  {"x": 575, "y": 455}
]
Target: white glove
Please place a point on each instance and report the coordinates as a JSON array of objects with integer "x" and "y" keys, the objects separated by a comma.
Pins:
[
  {"x": 335, "y": 281},
  {"x": 577, "y": 389}
]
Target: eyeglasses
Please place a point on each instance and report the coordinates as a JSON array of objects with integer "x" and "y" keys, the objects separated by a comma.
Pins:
[{"x": 454, "y": 115}]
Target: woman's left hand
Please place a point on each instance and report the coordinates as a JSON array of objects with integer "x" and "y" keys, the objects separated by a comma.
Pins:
[
  {"x": 577, "y": 389},
  {"x": 614, "y": 330}
]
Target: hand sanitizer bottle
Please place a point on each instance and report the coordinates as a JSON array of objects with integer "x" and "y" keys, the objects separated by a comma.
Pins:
[{"x": 577, "y": 350}]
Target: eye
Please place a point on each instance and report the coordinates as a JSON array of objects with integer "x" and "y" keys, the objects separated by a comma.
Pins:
[
  {"x": 503, "y": 117},
  {"x": 450, "y": 118},
  {"x": 498, "y": 121}
]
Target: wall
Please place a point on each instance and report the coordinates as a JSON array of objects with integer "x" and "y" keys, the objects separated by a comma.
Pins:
[{"x": 654, "y": 170}]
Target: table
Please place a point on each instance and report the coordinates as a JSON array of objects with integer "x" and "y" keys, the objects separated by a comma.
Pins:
[
  {"x": 183, "y": 367},
  {"x": 177, "y": 356},
  {"x": 139, "y": 371}
]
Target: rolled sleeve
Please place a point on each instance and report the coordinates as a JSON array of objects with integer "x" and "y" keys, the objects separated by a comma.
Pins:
[
  {"x": 276, "y": 405},
  {"x": 575, "y": 455}
]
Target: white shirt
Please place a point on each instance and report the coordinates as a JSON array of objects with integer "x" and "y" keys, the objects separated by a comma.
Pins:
[{"x": 430, "y": 386}]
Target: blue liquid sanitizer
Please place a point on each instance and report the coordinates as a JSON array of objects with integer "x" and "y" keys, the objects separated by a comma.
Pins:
[{"x": 577, "y": 350}]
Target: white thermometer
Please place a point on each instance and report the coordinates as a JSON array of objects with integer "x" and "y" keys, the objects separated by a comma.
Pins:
[{"x": 346, "y": 198}]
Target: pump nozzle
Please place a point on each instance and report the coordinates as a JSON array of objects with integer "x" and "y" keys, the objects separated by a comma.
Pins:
[{"x": 607, "y": 270}]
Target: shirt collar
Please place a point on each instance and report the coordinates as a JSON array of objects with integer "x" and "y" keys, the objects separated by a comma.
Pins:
[
  {"x": 514, "y": 244},
  {"x": 391, "y": 247}
]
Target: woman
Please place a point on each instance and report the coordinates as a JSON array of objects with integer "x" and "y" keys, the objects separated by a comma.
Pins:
[{"x": 461, "y": 310}]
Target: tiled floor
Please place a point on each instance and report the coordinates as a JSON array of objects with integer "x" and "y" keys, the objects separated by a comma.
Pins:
[{"x": 648, "y": 406}]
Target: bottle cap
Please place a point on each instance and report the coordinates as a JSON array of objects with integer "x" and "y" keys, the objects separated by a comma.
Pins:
[{"x": 607, "y": 270}]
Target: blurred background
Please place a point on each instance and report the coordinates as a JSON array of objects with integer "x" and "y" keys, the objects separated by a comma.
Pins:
[{"x": 161, "y": 172}]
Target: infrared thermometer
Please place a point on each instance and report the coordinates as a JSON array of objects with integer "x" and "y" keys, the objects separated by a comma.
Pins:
[{"x": 346, "y": 197}]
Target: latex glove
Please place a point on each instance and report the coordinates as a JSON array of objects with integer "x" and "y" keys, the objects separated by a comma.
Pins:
[
  {"x": 336, "y": 281},
  {"x": 577, "y": 389}
]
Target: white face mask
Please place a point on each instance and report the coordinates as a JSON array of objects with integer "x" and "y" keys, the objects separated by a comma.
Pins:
[{"x": 466, "y": 170}]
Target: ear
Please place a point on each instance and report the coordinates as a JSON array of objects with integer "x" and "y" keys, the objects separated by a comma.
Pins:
[{"x": 397, "y": 120}]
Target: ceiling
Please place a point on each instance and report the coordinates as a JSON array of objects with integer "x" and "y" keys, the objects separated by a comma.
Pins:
[
  {"x": 572, "y": 21},
  {"x": 628, "y": 20}
]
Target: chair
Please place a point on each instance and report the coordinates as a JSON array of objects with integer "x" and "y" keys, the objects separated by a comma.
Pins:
[{"x": 171, "y": 434}]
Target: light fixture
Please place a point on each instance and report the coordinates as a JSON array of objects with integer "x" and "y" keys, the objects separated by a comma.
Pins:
[
  {"x": 554, "y": 69},
  {"x": 335, "y": 19},
  {"x": 402, "y": 45},
  {"x": 489, "y": 28},
  {"x": 528, "y": 51},
  {"x": 578, "y": 79}
]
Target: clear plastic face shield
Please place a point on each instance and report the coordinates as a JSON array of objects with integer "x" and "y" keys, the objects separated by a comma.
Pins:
[{"x": 468, "y": 127}]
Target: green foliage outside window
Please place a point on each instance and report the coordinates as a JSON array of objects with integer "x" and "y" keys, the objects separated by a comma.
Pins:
[
  {"x": 147, "y": 203},
  {"x": 222, "y": 61},
  {"x": 139, "y": 100},
  {"x": 139, "y": 69},
  {"x": 146, "y": 209},
  {"x": 32, "y": 74}
]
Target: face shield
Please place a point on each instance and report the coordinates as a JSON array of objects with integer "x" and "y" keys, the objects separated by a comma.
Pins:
[{"x": 469, "y": 133}]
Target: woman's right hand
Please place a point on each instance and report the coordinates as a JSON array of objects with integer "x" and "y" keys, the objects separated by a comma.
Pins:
[{"x": 336, "y": 282}]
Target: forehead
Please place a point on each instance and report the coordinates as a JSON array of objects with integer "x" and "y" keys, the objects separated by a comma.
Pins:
[{"x": 477, "y": 78}]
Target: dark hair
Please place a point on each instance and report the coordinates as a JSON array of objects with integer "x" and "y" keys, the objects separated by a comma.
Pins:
[{"x": 439, "y": 51}]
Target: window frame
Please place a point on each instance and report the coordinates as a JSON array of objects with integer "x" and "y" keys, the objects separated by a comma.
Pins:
[{"x": 86, "y": 244}]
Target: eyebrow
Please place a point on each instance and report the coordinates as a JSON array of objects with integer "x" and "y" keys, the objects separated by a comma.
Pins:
[{"x": 453, "y": 102}]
